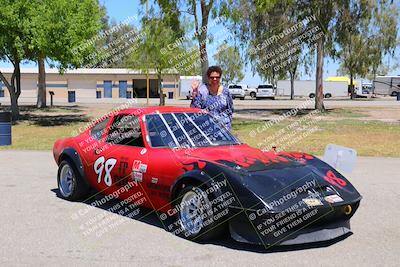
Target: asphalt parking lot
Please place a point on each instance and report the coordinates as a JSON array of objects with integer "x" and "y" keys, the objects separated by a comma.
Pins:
[{"x": 37, "y": 227}]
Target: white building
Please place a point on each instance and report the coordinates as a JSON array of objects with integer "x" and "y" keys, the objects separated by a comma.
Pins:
[{"x": 90, "y": 85}]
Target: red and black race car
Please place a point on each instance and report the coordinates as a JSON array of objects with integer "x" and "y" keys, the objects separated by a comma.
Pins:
[{"x": 201, "y": 180}]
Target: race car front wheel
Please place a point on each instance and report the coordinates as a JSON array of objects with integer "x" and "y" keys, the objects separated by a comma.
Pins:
[
  {"x": 196, "y": 215},
  {"x": 70, "y": 184}
]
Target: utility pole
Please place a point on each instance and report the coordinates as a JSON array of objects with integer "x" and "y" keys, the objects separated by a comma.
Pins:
[{"x": 147, "y": 66}]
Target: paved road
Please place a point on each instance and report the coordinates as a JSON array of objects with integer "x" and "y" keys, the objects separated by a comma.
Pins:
[{"x": 38, "y": 228}]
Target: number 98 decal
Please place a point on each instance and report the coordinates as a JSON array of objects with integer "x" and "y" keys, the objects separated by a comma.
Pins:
[{"x": 106, "y": 165}]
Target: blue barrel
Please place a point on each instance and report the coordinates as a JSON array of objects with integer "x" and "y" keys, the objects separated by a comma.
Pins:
[{"x": 5, "y": 128}]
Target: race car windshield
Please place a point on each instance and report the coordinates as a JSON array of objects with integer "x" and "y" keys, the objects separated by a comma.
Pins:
[{"x": 187, "y": 130}]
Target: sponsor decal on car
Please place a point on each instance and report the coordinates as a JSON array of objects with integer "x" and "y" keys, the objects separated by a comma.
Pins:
[
  {"x": 333, "y": 199},
  {"x": 139, "y": 166},
  {"x": 312, "y": 202},
  {"x": 143, "y": 168},
  {"x": 137, "y": 176},
  {"x": 136, "y": 165},
  {"x": 331, "y": 178}
]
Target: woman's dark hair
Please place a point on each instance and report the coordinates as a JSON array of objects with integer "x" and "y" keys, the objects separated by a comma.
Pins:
[{"x": 214, "y": 69}]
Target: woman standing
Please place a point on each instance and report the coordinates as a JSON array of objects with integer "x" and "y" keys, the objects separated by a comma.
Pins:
[{"x": 213, "y": 97}]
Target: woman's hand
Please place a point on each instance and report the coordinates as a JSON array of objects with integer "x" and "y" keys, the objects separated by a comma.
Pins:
[{"x": 195, "y": 88}]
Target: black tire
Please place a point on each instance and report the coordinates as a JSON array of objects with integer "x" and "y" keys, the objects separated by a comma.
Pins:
[
  {"x": 253, "y": 94},
  {"x": 312, "y": 95},
  {"x": 210, "y": 229},
  {"x": 394, "y": 93},
  {"x": 328, "y": 95},
  {"x": 188, "y": 97},
  {"x": 79, "y": 188}
]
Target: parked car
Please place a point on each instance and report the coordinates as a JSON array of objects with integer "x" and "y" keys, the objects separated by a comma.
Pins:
[
  {"x": 265, "y": 91},
  {"x": 237, "y": 91},
  {"x": 201, "y": 180}
]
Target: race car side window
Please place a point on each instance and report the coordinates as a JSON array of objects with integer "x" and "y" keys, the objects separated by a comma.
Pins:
[
  {"x": 98, "y": 130},
  {"x": 159, "y": 134},
  {"x": 125, "y": 130}
]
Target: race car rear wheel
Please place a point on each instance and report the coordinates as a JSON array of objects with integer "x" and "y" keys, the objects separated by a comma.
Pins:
[
  {"x": 70, "y": 184},
  {"x": 195, "y": 215}
]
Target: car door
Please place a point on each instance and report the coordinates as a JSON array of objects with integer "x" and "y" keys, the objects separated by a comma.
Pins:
[
  {"x": 118, "y": 164},
  {"x": 126, "y": 158},
  {"x": 161, "y": 129}
]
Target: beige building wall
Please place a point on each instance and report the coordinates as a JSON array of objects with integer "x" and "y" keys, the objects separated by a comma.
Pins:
[
  {"x": 84, "y": 84},
  {"x": 29, "y": 89}
]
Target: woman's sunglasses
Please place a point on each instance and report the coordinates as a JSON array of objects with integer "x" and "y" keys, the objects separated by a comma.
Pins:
[{"x": 214, "y": 77}]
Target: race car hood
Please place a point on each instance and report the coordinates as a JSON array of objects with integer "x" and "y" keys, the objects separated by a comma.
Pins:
[
  {"x": 239, "y": 157},
  {"x": 288, "y": 185},
  {"x": 273, "y": 176}
]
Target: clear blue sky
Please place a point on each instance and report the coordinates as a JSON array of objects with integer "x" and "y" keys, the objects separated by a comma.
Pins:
[{"x": 122, "y": 9}]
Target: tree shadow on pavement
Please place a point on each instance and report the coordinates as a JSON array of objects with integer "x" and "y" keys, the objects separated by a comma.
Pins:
[
  {"x": 54, "y": 109},
  {"x": 50, "y": 116},
  {"x": 151, "y": 217}
]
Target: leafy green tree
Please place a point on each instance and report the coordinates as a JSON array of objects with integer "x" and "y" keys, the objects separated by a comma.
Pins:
[
  {"x": 252, "y": 28},
  {"x": 152, "y": 52},
  {"x": 229, "y": 59},
  {"x": 61, "y": 34},
  {"x": 351, "y": 30},
  {"x": 176, "y": 13},
  {"x": 382, "y": 34},
  {"x": 366, "y": 32},
  {"x": 268, "y": 31},
  {"x": 341, "y": 22},
  {"x": 13, "y": 26},
  {"x": 325, "y": 12},
  {"x": 114, "y": 49}
]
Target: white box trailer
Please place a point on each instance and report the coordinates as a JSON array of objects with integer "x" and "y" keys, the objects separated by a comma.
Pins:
[
  {"x": 185, "y": 85},
  {"x": 307, "y": 88},
  {"x": 386, "y": 85}
]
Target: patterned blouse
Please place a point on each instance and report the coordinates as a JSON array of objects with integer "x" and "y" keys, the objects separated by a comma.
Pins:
[{"x": 220, "y": 105}]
